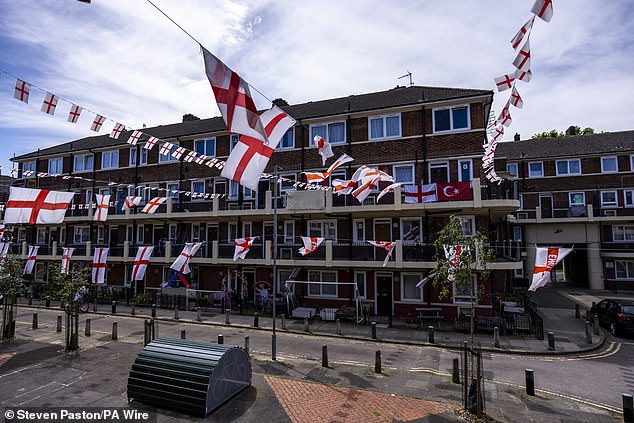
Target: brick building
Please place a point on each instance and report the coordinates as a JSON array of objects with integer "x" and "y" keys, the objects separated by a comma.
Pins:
[
  {"x": 577, "y": 191},
  {"x": 417, "y": 134}
]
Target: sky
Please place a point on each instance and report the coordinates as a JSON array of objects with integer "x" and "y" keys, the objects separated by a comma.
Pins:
[{"x": 123, "y": 59}]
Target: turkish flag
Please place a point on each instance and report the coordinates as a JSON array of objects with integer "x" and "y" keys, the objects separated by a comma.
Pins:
[{"x": 454, "y": 191}]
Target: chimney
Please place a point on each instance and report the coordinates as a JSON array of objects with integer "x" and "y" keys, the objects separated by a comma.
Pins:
[
  {"x": 189, "y": 117},
  {"x": 571, "y": 131},
  {"x": 516, "y": 137}
]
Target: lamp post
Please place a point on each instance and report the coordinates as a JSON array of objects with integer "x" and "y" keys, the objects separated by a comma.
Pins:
[{"x": 273, "y": 336}]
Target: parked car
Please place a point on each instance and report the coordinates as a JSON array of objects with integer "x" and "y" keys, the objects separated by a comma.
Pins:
[{"x": 616, "y": 315}]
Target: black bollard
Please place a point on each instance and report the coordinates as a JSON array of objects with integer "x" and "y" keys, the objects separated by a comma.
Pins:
[
  {"x": 87, "y": 329},
  {"x": 30, "y": 299},
  {"x": 455, "y": 373},
  {"x": 133, "y": 310},
  {"x": 256, "y": 320},
  {"x": 389, "y": 320},
  {"x": 530, "y": 382},
  {"x": 306, "y": 324},
  {"x": 183, "y": 334},
  {"x": 588, "y": 332},
  {"x": 114, "y": 331},
  {"x": 153, "y": 310},
  {"x": 227, "y": 321},
  {"x": 221, "y": 339},
  {"x": 551, "y": 341},
  {"x": 373, "y": 329},
  {"x": 34, "y": 320},
  {"x": 246, "y": 344},
  {"x": 176, "y": 316},
  {"x": 628, "y": 408},
  {"x": 577, "y": 311},
  {"x": 59, "y": 323},
  {"x": 47, "y": 303},
  {"x": 114, "y": 307},
  {"x": 430, "y": 334},
  {"x": 324, "y": 356},
  {"x": 377, "y": 362}
]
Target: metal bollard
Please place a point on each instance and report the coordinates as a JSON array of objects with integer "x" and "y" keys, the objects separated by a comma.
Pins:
[
  {"x": 221, "y": 339},
  {"x": 146, "y": 332},
  {"x": 530, "y": 382},
  {"x": 198, "y": 315},
  {"x": 577, "y": 311},
  {"x": 455, "y": 372},
  {"x": 595, "y": 323},
  {"x": 377, "y": 362},
  {"x": 338, "y": 327},
  {"x": 34, "y": 320},
  {"x": 324, "y": 356},
  {"x": 176, "y": 313},
  {"x": 94, "y": 306},
  {"x": 183, "y": 334},
  {"x": 256, "y": 320},
  {"x": 114, "y": 307},
  {"x": 246, "y": 344},
  {"x": 306, "y": 324},
  {"x": 551, "y": 341},
  {"x": 227, "y": 322},
  {"x": 496, "y": 337},
  {"x": 586, "y": 314},
  {"x": 153, "y": 310},
  {"x": 47, "y": 303},
  {"x": 588, "y": 332},
  {"x": 114, "y": 331},
  {"x": 133, "y": 310},
  {"x": 628, "y": 408},
  {"x": 59, "y": 323},
  {"x": 373, "y": 329},
  {"x": 87, "y": 329},
  {"x": 430, "y": 334},
  {"x": 283, "y": 317},
  {"x": 30, "y": 299}
]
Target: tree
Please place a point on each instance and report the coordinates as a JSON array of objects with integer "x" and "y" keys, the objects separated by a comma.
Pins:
[
  {"x": 457, "y": 271},
  {"x": 554, "y": 134},
  {"x": 12, "y": 287}
]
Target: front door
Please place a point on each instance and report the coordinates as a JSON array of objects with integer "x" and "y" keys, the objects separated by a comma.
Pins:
[
  {"x": 383, "y": 295},
  {"x": 382, "y": 232},
  {"x": 546, "y": 205}
]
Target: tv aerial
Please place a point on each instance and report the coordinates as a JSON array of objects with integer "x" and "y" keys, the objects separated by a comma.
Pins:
[{"x": 407, "y": 75}]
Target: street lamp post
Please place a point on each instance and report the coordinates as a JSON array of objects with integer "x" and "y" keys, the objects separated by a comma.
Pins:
[{"x": 273, "y": 336}]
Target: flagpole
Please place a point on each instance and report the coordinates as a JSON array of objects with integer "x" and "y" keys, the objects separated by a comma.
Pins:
[{"x": 273, "y": 336}]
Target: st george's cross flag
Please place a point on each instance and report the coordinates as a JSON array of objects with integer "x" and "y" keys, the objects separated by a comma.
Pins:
[
  {"x": 30, "y": 259},
  {"x": 324, "y": 148},
  {"x": 181, "y": 264},
  {"x": 190, "y": 157},
  {"x": 545, "y": 260},
  {"x": 36, "y": 206},
  {"x": 1, "y": 231},
  {"x": 342, "y": 187},
  {"x": 22, "y": 91},
  {"x": 49, "y": 104},
  {"x": 99, "y": 265},
  {"x": 67, "y": 253},
  {"x": 310, "y": 244},
  {"x": 234, "y": 99},
  {"x": 97, "y": 123},
  {"x": 249, "y": 157},
  {"x": 130, "y": 202},
  {"x": 505, "y": 115},
  {"x": 523, "y": 59},
  {"x": 452, "y": 255},
  {"x": 103, "y": 202},
  {"x": 73, "y": 114},
  {"x": 524, "y": 30},
  {"x": 515, "y": 99},
  {"x": 314, "y": 177},
  {"x": 242, "y": 247},
  {"x": 388, "y": 246},
  {"x": 504, "y": 82},
  {"x": 4, "y": 249},
  {"x": 117, "y": 130},
  {"x": 178, "y": 153},
  {"x": 141, "y": 261},
  {"x": 134, "y": 137},
  {"x": 150, "y": 143},
  {"x": 420, "y": 193},
  {"x": 524, "y": 76},
  {"x": 388, "y": 189},
  {"x": 152, "y": 206},
  {"x": 543, "y": 9}
]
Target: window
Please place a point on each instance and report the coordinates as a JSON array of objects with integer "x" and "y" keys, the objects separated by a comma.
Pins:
[
  {"x": 233, "y": 141},
  {"x": 143, "y": 156},
  {"x": 289, "y": 232},
  {"x": 206, "y": 147},
  {"x": 247, "y": 229},
  {"x": 517, "y": 233},
  {"x": 535, "y": 170},
  {"x": 513, "y": 169},
  {"x": 83, "y": 163},
  {"x": 110, "y": 159},
  {"x": 288, "y": 139},
  {"x": 195, "y": 232},
  {"x": 140, "y": 231},
  {"x": 409, "y": 290},
  {"x": 41, "y": 235},
  {"x": 468, "y": 225},
  {"x": 628, "y": 198},
  {"x": 439, "y": 172},
  {"x": 384, "y": 126},
  {"x": 173, "y": 189},
  {"x": 465, "y": 292},
  {"x": 133, "y": 156},
  {"x": 335, "y": 132},
  {"x": 404, "y": 173},
  {"x": 623, "y": 233},
  {"x": 609, "y": 164},
  {"x": 322, "y": 290},
  {"x": 410, "y": 231},
  {"x": 100, "y": 234},
  {"x": 465, "y": 171},
  {"x": 198, "y": 190},
  {"x": 359, "y": 279},
  {"x": 233, "y": 231},
  {"x": 234, "y": 189},
  {"x": 168, "y": 157},
  {"x": 28, "y": 166},
  {"x": 577, "y": 199},
  {"x": 284, "y": 275},
  {"x": 609, "y": 199},
  {"x": 451, "y": 119},
  {"x": 55, "y": 166},
  {"x": 129, "y": 233},
  {"x": 82, "y": 234},
  {"x": 358, "y": 233},
  {"x": 171, "y": 234},
  {"x": 568, "y": 167},
  {"x": 287, "y": 182},
  {"x": 624, "y": 269},
  {"x": 21, "y": 234},
  {"x": 323, "y": 229}
]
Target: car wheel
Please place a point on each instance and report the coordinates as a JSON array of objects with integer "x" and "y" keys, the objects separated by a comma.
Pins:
[{"x": 613, "y": 329}]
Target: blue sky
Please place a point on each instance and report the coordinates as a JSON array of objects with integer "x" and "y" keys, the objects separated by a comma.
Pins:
[{"x": 124, "y": 60}]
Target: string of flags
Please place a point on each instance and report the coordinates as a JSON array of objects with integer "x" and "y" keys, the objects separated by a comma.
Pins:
[{"x": 542, "y": 9}]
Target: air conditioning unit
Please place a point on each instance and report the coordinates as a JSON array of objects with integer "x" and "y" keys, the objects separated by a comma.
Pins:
[
  {"x": 286, "y": 253},
  {"x": 610, "y": 213},
  {"x": 522, "y": 215}
]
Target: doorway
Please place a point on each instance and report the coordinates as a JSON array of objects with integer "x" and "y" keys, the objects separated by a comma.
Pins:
[
  {"x": 384, "y": 291},
  {"x": 546, "y": 205}
]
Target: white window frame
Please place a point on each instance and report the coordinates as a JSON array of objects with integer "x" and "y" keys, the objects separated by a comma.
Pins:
[
  {"x": 460, "y": 162},
  {"x": 171, "y": 232},
  {"x": 59, "y": 168},
  {"x": 110, "y": 153},
  {"x": 313, "y": 272},
  {"x": 624, "y": 263},
  {"x": 133, "y": 157},
  {"x": 510, "y": 166},
  {"x": 230, "y": 235},
  {"x": 631, "y": 162},
  {"x": 143, "y": 157},
  {"x": 29, "y": 166},
  {"x": 233, "y": 141},
  {"x": 384, "y": 120},
  {"x": 168, "y": 158},
  {"x": 451, "y": 125},
  {"x": 196, "y": 232},
  {"x": 289, "y": 232},
  {"x": 570, "y": 196},
  {"x": 204, "y": 141},
  {"x": 195, "y": 195},
  {"x": 327, "y": 125},
  {"x": 530, "y": 172},
  {"x": 129, "y": 233},
  {"x": 360, "y": 278},
  {"x": 623, "y": 230},
  {"x": 247, "y": 229},
  {"x": 355, "y": 233},
  {"x": 466, "y": 299},
  {"x": 81, "y": 230},
  {"x": 610, "y": 204},
  {"x": 323, "y": 228},
  {"x": 172, "y": 189},
  {"x": 101, "y": 234},
  {"x": 471, "y": 220},
  {"x": 412, "y": 180},
  {"x": 568, "y": 172},
  {"x": 438, "y": 165},
  {"x": 417, "y": 277},
  {"x": 628, "y": 202},
  {"x": 21, "y": 234},
  {"x": 616, "y": 164},
  {"x": 41, "y": 233},
  {"x": 289, "y": 187},
  {"x": 292, "y": 137},
  {"x": 140, "y": 234},
  {"x": 419, "y": 222},
  {"x": 84, "y": 159}
]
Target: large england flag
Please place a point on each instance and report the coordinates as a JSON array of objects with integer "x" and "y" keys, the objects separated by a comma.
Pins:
[
  {"x": 243, "y": 245},
  {"x": 141, "y": 261},
  {"x": 545, "y": 260},
  {"x": 388, "y": 246},
  {"x": 103, "y": 201},
  {"x": 99, "y": 265},
  {"x": 36, "y": 206},
  {"x": 30, "y": 260},
  {"x": 67, "y": 253},
  {"x": 310, "y": 244},
  {"x": 181, "y": 264}
]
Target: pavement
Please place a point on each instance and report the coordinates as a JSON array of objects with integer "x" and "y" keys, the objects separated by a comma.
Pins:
[{"x": 34, "y": 370}]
